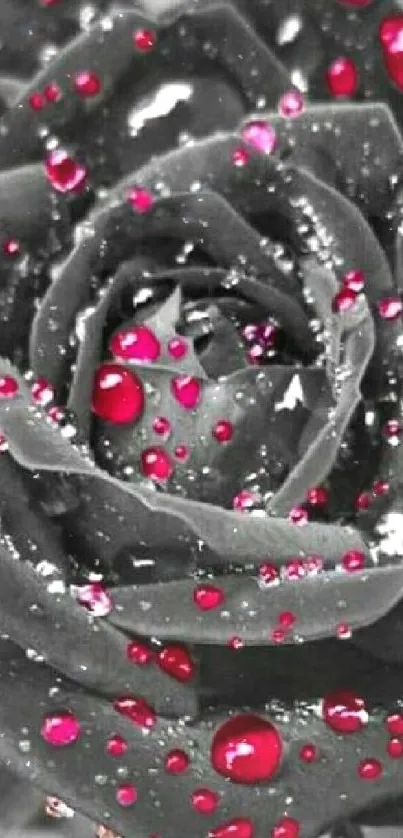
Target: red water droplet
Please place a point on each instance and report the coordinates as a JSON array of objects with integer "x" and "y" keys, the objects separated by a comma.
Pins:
[
  {"x": 176, "y": 661},
  {"x": 278, "y": 635},
  {"x": 298, "y": 516},
  {"x": 255, "y": 353},
  {"x": 60, "y": 729},
  {"x": 342, "y": 77},
  {"x": 395, "y": 748},
  {"x": 37, "y": 101},
  {"x": 380, "y": 487},
  {"x": 354, "y": 281},
  {"x": 3, "y": 444},
  {"x": 291, "y": 104},
  {"x": 141, "y": 199},
  {"x": 369, "y": 769},
  {"x": 308, "y": 753},
  {"x": 236, "y": 828},
  {"x": 139, "y": 653},
  {"x": 353, "y": 561},
  {"x": 362, "y": 502},
  {"x": 42, "y": 392},
  {"x": 64, "y": 173},
  {"x": 207, "y": 597},
  {"x": 244, "y": 501},
  {"x": 137, "y": 710},
  {"x": 236, "y": 643},
  {"x": 223, "y": 431},
  {"x": 8, "y": 387},
  {"x": 52, "y": 92},
  {"x": 56, "y": 414},
  {"x": 116, "y": 746},
  {"x": 176, "y": 762},
  {"x": 177, "y": 348},
  {"x": 344, "y": 711},
  {"x": 161, "y": 426},
  {"x": 294, "y": 570},
  {"x": 286, "y": 828},
  {"x": 390, "y": 308},
  {"x": 344, "y": 300},
  {"x": 246, "y": 749},
  {"x": 117, "y": 394},
  {"x": 313, "y": 564},
  {"x": 87, "y": 83},
  {"x": 156, "y": 464},
  {"x": 204, "y": 801},
  {"x": 287, "y": 619},
  {"x": 343, "y": 631},
  {"x": 268, "y": 573},
  {"x": 136, "y": 343},
  {"x": 11, "y": 247},
  {"x": 186, "y": 390},
  {"x": 317, "y": 496},
  {"x": 240, "y": 157},
  {"x": 261, "y": 135},
  {"x": 126, "y": 794},
  {"x": 392, "y": 429},
  {"x": 181, "y": 452},
  {"x": 394, "y": 724},
  {"x": 250, "y": 332},
  {"x": 95, "y": 598},
  {"x": 145, "y": 39},
  {"x": 391, "y": 38}
]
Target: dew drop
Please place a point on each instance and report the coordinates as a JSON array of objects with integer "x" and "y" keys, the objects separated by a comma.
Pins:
[
  {"x": 176, "y": 762},
  {"x": 204, "y": 801},
  {"x": 246, "y": 749},
  {"x": 207, "y": 597},
  {"x": 176, "y": 661},
  {"x": 126, "y": 794},
  {"x": 137, "y": 710},
  {"x": 342, "y": 77},
  {"x": 344, "y": 711},
  {"x": 139, "y": 653},
  {"x": 391, "y": 38},
  {"x": 156, "y": 464},
  {"x": 136, "y": 343},
  {"x": 369, "y": 769},
  {"x": 117, "y": 394},
  {"x": 95, "y": 598},
  {"x": 186, "y": 390},
  {"x": 261, "y": 135},
  {"x": 116, "y": 746},
  {"x": 8, "y": 387},
  {"x": 64, "y": 173},
  {"x": 236, "y": 828},
  {"x": 60, "y": 729},
  {"x": 87, "y": 84},
  {"x": 286, "y": 828}
]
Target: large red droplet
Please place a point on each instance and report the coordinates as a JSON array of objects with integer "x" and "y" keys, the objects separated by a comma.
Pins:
[
  {"x": 136, "y": 343},
  {"x": 176, "y": 762},
  {"x": 117, "y": 394},
  {"x": 246, "y": 749},
  {"x": 156, "y": 464},
  {"x": 186, "y": 390},
  {"x": 95, "y": 598},
  {"x": 207, "y": 597},
  {"x": 344, "y": 711},
  {"x": 391, "y": 38},
  {"x": 60, "y": 729},
  {"x": 204, "y": 801},
  {"x": 286, "y": 828},
  {"x": 64, "y": 173},
  {"x": 236, "y": 828},
  {"x": 342, "y": 77},
  {"x": 137, "y": 710},
  {"x": 176, "y": 661}
]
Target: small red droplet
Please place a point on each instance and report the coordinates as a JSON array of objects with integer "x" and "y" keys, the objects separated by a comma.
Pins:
[
  {"x": 246, "y": 749},
  {"x": 126, "y": 794},
  {"x": 286, "y": 619},
  {"x": 116, "y": 746},
  {"x": 308, "y": 753},
  {"x": 294, "y": 570},
  {"x": 343, "y": 631},
  {"x": 176, "y": 762},
  {"x": 64, "y": 173},
  {"x": 344, "y": 711},
  {"x": 136, "y": 343},
  {"x": 156, "y": 464},
  {"x": 392, "y": 430},
  {"x": 95, "y": 598},
  {"x": 394, "y": 724},
  {"x": 176, "y": 661},
  {"x": 236, "y": 828},
  {"x": 354, "y": 281},
  {"x": 268, "y": 573},
  {"x": 362, "y": 502},
  {"x": 298, "y": 516},
  {"x": 353, "y": 561},
  {"x": 261, "y": 135},
  {"x": 390, "y": 308},
  {"x": 395, "y": 748},
  {"x": 60, "y": 729},
  {"x": 223, "y": 431},
  {"x": 137, "y": 710},
  {"x": 42, "y": 392},
  {"x": 342, "y": 77},
  {"x": 177, "y": 348},
  {"x": 207, "y": 597},
  {"x": 236, "y": 643},
  {"x": 369, "y": 769},
  {"x": 380, "y": 487},
  {"x": 11, "y": 247},
  {"x": 141, "y": 199},
  {"x": 37, "y": 101},
  {"x": 313, "y": 564},
  {"x": 8, "y": 387},
  {"x": 145, "y": 39},
  {"x": 344, "y": 300},
  {"x": 87, "y": 83},
  {"x": 56, "y": 414},
  {"x": 52, "y": 92},
  {"x": 317, "y": 496},
  {"x": 286, "y": 828},
  {"x": 181, "y": 452},
  {"x": 139, "y": 653},
  {"x": 278, "y": 636},
  {"x": 391, "y": 38},
  {"x": 186, "y": 390},
  {"x": 117, "y": 394},
  {"x": 244, "y": 501},
  {"x": 240, "y": 157},
  {"x": 3, "y": 444},
  {"x": 291, "y": 104},
  {"x": 161, "y": 426},
  {"x": 204, "y": 801}
]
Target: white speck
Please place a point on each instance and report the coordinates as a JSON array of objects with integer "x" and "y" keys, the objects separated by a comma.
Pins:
[
  {"x": 292, "y": 395},
  {"x": 166, "y": 98}
]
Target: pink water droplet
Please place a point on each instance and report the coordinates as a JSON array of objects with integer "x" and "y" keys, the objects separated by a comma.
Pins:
[
  {"x": 244, "y": 501},
  {"x": 278, "y": 636},
  {"x": 268, "y": 573},
  {"x": 354, "y": 281},
  {"x": 186, "y": 390},
  {"x": 246, "y": 749},
  {"x": 362, "y": 502},
  {"x": 145, "y": 39},
  {"x": 392, "y": 429},
  {"x": 236, "y": 828},
  {"x": 391, "y": 38},
  {"x": 343, "y": 631},
  {"x": 126, "y": 794},
  {"x": 176, "y": 762},
  {"x": 95, "y": 598},
  {"x": 394, "y": 748},
  {"x": 286, "y": 828},
  {"x": 135, "y": 343},
  {"x": 156, "y": 464},
  {"x": 182, "y": 452},
  {"x": 291, "y": 104},
  {"x": 137, "y": 710},
  {"x": 139, "y": 653},
  {"x": 344, "y": 300},
  {"x": 223, "y": 431},
  {"x": 380, "y": 487},
  {"x": 162, "y": 426},
  {"x": 42, "y": 392},
  {"x": 298, "y": 516},
  {"x": 313, "y": 564},
  {"x": 60, "y": 729},
  {"x": 317, "y": 496},
  {"x": 37, "y": 101},
  {"x": 342, "y": 77},
  {"x": 11, "y": 247},
  {"x": 3, "y": 444},
  {"x": 390, "y": 308},
  {"x": 369, "y": 769},
  {"x": 308, "y": 753},
  {"x": 261, "y": 135},
  {"x": 178, "y": 348},
  {"x": 207, "y": 597},
  {"x": 63, "y": 172},
  {"x": 236, "y": 643},
  {"x": 177, "y": 662},
  {"x": 8, "y": 387},
  {"x": 240, "y": 157},
  {"x": 352, "y": 561},
  {"x": 294, "y": 570},
  {"x": 87, "y": 83},
  {"x": 344, "y": 711},
  {"x": 250, "y": 332},
  {"x": 52, "y": 92},
  {"x": 117, "y": 394},
  {"x": 141, "y": 199},
  {"x": 56, "y": 414},
  {"x": 394, "y": 724},
  {"x": 204, "y": 801},
  {"x": 287, "y": 619},
  {"x": 116, "y": 746}
]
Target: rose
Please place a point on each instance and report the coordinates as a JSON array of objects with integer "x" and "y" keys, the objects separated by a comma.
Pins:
[{"x": 68, "y": 517}]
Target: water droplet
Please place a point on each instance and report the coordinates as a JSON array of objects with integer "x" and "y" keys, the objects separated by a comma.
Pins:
[
  {"x": 186, "y": 390},
  {"x": 344, "y": 711},
  {"x": 156, "y": 464},
  {"x": 204, "y": 801},
  {"x": 261, "y": 135},
  {"x": 342, "y": 77},
  {"x": 246, "y": 749},
  {"x": 95, "y": 598},
  {"x": 136, "y": 343},
  {"x": 118, "y": 394},
  {"x": 87, "y": 83},
  {"x": 207, "y": 597},
  {"x": 137, "y": 710},
  {"x": 116, "y": 746},
  {"x": 369, "y": 769},
  {"x": 64, "y": 173},
  {"x": 126, "y": 794},
  {"x": 176, "y": 661},
  {"x": 145, "y": 39},
  {"x": 60, "y": 729},
  {"x": 176, "y": 762},
  {"x": 223, "y": 431}
]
